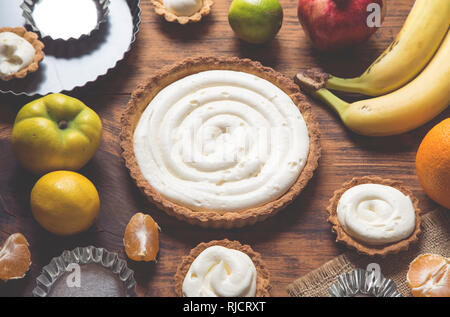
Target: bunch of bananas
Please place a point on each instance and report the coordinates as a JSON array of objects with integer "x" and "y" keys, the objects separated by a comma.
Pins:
[{"x": 411, "y": 77}]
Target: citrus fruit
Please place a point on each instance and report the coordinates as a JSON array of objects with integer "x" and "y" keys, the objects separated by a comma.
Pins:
[
  {"x": 255, "y": 21},
  {"x": 141, "y": 239},
  {"x": 65, "y": 202},
  {"x": 429, "y": 276},
  {"x": 15, "y": 258},
  {"x": 433, "y": 163}
]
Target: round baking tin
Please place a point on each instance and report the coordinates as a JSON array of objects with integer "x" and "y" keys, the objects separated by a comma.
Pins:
[
  {"x": 100, "y": 266},
  {"x": 362, "y": 283},
  {"x": 100, "y": 14},
  {"x": 72, "y": 64}
]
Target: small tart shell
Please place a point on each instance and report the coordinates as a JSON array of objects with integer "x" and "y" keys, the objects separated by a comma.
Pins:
[
  {"x": 32, "y": 38},
  {"x": 370, "y": 250},
  {"x": 160, "y": 9},
  {"x": 263, "y": 286},
  {"x": 149, "y": 89}
]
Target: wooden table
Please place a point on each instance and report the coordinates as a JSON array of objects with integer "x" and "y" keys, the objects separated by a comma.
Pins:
[{"x": 292, "y": 243}]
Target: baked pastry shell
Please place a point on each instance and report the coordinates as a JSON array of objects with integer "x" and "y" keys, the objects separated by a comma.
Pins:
[
  {"x": 263, "y": 285},
  {"x": 150, "y": 88},
  {"x": 33, "y": 39},
  {"x": 360, "y": 247},
  {"x": 161, "y": 10}
]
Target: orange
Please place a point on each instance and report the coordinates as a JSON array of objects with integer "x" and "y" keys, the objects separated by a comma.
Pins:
[
  {"x": 65, "y": 203},
  {"x": 15, "y": 258},
  {"x": 141, "y": 239},
  {"x": 433, "y": 163},
  {"x": 429, "y": 276}
]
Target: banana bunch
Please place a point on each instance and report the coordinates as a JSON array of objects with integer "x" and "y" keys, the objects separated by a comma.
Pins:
[{"x": 420, "y": 97}]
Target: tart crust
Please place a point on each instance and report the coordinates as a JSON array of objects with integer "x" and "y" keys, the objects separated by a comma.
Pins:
[
  {"x": 263, "y": 286},
  {"x": 32, "y": 38},
  {"x": 370, "y": 250},
  {"x": 160, "y": 9},
  {"x": 148, "y": 90}
]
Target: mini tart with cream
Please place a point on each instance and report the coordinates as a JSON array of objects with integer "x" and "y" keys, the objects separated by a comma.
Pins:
[
  {"x": 20, "y": 53},
  {"x": 183, "y": 11},
  {"x": 375, "y": 216},
  {"x": 222, "y": 268},
  {"x": 220, "y": 142}
]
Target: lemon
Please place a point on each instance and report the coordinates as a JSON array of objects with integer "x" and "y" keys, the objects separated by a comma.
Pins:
[
  {"x": 65, "y": 203},
  {"x": 255, "y": 21}
]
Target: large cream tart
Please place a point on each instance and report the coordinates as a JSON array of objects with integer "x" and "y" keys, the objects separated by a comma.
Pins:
[{"x": 221, "y": 140}]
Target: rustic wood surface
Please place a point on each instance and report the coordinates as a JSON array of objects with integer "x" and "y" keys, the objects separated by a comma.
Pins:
[{"x": 292, "y": 243}]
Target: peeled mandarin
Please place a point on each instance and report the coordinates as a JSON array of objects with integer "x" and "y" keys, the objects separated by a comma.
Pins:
[
  {"x": 141, "y": 239},
  {"x": 15, "y": 257},
  {"x": 429, "y": 276}
]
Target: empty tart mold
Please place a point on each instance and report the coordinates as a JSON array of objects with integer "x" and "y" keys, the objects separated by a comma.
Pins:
[
  {"x": 362, "y": 283},
  {"x": 86, "y": 272},
  {"x": 65, "y": 20}
]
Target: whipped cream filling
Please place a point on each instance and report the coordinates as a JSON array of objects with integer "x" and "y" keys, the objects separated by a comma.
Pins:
[
  {"x": 221, "y": 140},
  {"x": 183, "y": 7},
  {"x": 221, "y": 272},
  {"x": 15, "y": 53},
  {"x": 376, "y": 214}
]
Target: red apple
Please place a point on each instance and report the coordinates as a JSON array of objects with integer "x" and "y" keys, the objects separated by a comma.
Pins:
[{"x": 338, "y": 24}]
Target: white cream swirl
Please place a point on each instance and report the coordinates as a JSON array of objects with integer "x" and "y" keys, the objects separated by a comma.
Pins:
[
  {"x": 15, "y": 53},
  {"x": 221, "y": 272},
  {"x": 221, "y": 140},
  {"x": 183, "y": 7},
  {"x": 376, "y": 214}
]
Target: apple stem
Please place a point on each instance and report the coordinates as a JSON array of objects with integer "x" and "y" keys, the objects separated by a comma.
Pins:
[{"x": 63, "y": 124}]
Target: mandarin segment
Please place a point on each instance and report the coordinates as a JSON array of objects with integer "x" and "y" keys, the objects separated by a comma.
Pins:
[
  {"x": 15, "y": 257},
  {"x": 141, "y": 239},
  {"x": 429, "y": 276}
]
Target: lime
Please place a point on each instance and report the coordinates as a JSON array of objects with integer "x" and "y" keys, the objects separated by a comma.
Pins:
[{"x": 255, "y": 21}]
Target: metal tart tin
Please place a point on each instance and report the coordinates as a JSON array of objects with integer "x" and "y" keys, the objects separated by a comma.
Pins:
[
  {"x": 72, "y": 64},
  {"x": 86, "y": 272},
  {"x": 362, "y": 283},
  {"x": 65, "y": 19}
]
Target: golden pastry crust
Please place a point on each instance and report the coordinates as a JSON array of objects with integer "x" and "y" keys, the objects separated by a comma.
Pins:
[
  {"x": 32, "y": 38},
  {"x": 263, "y": 286},
  {"x": 148, "y": 90},
  {"x": 160, "y": 9},
  {"x": 383, "y": 250}
]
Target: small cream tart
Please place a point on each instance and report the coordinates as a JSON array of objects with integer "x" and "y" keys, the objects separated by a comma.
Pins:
[
  {"x": 16, "y": 53},
  {"x": 183, "y": 7},
  {"x": 376, "y": 214},
  {"x": 221, "y": 272}
]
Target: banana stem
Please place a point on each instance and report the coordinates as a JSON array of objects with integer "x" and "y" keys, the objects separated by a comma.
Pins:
[
  {"x": 326, "y": 96},
  {"x": 344, "y": 84}
]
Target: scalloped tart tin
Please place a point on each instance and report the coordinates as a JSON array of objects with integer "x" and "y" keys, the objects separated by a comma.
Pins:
[
  {"x": 362, "y": 283},
  {"x": 95, "y": 55},
  {"x": 86, "y": 272},
  {"x": 65, "y": 19}
]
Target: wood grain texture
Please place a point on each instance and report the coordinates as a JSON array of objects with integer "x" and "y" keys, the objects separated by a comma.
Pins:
[{"x": 292, "y": 243}]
